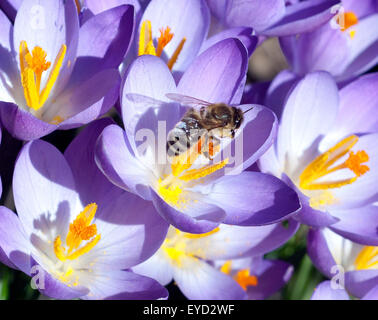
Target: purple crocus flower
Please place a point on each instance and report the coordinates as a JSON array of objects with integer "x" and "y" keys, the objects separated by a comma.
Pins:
[
  {"x": 325, "y": 291},
  {"x": 346, "y": 46},
  {"x": 210, "y": 266},
  {"x": 349, "y": 265},
  {"x": 54, "y": 75},
  {"x": 76, "y": 232},
  {"x": 194, "y": 198},
  {"x": 326, "y": 148},
  {"x": 10, "y": 7},
  {"x": 272, "y": 17}
]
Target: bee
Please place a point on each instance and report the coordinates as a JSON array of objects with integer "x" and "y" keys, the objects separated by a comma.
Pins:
[{"x": 204, "y": 126}]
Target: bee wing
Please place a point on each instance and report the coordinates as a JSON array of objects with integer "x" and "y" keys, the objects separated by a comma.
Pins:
[
  {"x": 187, "y": 100},
  {"x": 142, "y": 99}
]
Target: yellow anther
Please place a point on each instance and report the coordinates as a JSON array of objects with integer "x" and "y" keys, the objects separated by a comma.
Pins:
[
  {"x": 165, "y": 37},
  {"x": 80, "y": 230},
  {"x": 346, "y": 20},
  {"x": 32, "y": 66},
  {"x": 322, "y": 166},
  {"x": 367, "y": 258},
  {"x": 244, "y": 279},
  {"x": 226, "y": 267},
  {"x": 195, "y": 174},
  {"x": 146, "y": 45}
]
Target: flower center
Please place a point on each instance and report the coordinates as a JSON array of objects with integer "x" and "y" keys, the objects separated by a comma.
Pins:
[
  {"x": 32, "y": 66},
  {"x": 172, "y": 187},
  {"x": 146, "y": 45},
  {"x": 347, "y": 20},
  {"x": 80, "y": 230},
  {"x": 242, "y": 277},
  {"x": 175, "y": 246},
  {"x": 323, "y": 166},
  {"x": 367, "y": 258}
]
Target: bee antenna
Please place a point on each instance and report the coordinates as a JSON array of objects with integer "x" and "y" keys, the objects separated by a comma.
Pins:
[{"x": 248, "y": 110}]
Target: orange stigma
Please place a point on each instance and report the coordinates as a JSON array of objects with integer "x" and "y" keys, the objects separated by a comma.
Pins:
[
  {"x": 242, "y": 277},
  {"x": 80, "y": 230}
]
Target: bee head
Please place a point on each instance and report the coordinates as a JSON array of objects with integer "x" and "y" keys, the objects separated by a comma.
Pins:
[{"x": 238, "y": 118}]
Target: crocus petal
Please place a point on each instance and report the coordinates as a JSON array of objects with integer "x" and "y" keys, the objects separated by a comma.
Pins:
[
  {"x": 52, "y": 287},
  {"x": 234, "y": 242},
  {"x": 115, "y": 158},
  {"x": 91, "y": 184},
  {"x": 98, "y": 6},
  {"x": 360, "y": 9},
  {"x": 253, "y": 198},
  {"x": 302, "y": 17},
  {"x": 13, "y": 242},
  {"x": 199, "y": 281},
  {"x": 187, "y": 19},
  {"x": 252, "y": 13},
  {"x": 278, "y": 90},
  {"x": 272, "y": 275},
  {"x": 22, "y": 124},
  {"x": 157, "y": 267},
  {"x": 324, "y": 291},
  {"x": 309, "y": 112},
  {"x": 358, "y": 224},
  {"x": 363, "y": 48},
  {"x": 10, "y": 7},
  {"x": 49, "y": 26},
  {"x": 319, "y": 252},
  {"x": 8, "y": 65},
  {"x": 86, "y": 102},
  {"x": 308, "y": 215},
  {"x": 206, "y": 218},
  {"x": 216, "y": 74},
  {"x": 104, "y": 41},
  {"x": 372, "y": 294},
  {"x": 358, "y": 107},
  {"x": 124, "y": 285},
  {"x": 155, "y": 83},
  {"x": 43, "y": 188},
  {"x": 360, "y": 282},
  {"x": 242, "y": 33}
]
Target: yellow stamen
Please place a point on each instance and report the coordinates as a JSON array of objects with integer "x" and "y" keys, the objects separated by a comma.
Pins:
[
  {"x": 186, "y": 159},
  {"x": 57, "y": 120},
  {"x": 172, "y": 194},
  {"x": 347, "y": 20},
  {"x": 322, "y": 200},
  {"x": 244, "y": 279},
  {"x": 195, "y": 174},
  {"x": 367, "y": 258},
  {"x": 32, "y": 66},
  {"x": 226, "y": 267},
  {"x": 165, "y": 37},
  {"x": 80, "y": 230},
  {"x": 175, "y": 55},
  {"x": 146, "y": 45},
  {"x": 322, "y": 166}
]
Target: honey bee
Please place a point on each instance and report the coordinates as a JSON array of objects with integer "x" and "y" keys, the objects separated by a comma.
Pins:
[{"x": 204, "y": 126}]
